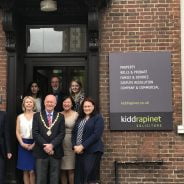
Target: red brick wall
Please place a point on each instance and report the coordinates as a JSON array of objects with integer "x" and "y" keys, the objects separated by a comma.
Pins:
[
  {"x": 135, "y": 25},
  {"x": 142, "y": 25},
  {"x": 3, "y": 66}
]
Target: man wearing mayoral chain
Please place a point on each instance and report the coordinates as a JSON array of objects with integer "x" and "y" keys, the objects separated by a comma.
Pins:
[{"x": 48, "y": 133}]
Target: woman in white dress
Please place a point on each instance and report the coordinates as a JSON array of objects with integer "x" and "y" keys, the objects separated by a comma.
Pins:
[
  {"x": 26, "y": 161},
  {"x": 68, "y": 161}
]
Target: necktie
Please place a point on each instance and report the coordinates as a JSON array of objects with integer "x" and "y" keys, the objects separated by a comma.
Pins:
[{"x": 49, "y": 119}]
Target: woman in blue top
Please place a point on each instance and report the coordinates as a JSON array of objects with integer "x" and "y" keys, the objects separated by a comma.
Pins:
[{"x": 87, "y": 143}]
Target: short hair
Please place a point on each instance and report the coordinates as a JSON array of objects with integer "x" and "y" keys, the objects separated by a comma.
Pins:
[
  {"x": 50, "y": 95},
  {"x": 55, "y": 76},
  {"x": 23, "y": 103},
  {"x": 72, "y": 100}
]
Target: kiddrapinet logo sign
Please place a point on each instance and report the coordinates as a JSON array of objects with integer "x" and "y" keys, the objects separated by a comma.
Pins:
[{"x": 141, "y": 119}]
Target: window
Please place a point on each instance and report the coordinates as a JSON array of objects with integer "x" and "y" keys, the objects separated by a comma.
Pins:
[{"x": 56, "y": 39}]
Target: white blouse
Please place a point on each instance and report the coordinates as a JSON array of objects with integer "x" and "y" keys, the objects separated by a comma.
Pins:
[{"x": 25, "y": 127}]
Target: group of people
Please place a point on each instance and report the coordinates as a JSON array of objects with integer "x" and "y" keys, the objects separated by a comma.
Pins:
[
  {"x": 60, "y": 141},
  {"x": 75, "y": 91}
]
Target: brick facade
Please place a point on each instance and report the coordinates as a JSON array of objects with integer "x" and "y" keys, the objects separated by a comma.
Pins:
[
  {"x": 3, "y": 66},
  {"x": 135, "y": 25},
  {"x": 142, "y": 25}
]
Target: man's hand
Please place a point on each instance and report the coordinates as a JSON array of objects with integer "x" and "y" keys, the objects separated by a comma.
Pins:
[
  {"x": 48, "y": 148},
  {"x": 9, "y": 155}
]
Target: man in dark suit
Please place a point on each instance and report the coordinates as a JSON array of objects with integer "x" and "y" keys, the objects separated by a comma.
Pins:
[
  {"x": 4, "y": 144},
  {"x": 56, "y": 91},
  {"x": 48, "y": 133}
]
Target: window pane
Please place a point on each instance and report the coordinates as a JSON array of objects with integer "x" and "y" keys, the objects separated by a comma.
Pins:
[{"x": 57, "y": 39}]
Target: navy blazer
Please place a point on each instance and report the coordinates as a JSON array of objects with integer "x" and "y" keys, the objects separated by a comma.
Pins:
[
  {"x": 40, "y": 135},
  {"x": 4, "y": 135},
  {"x": 92, "y": 134}
]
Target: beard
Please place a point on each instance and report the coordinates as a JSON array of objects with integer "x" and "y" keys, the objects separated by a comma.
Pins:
[{"x": 56, "y": 90}]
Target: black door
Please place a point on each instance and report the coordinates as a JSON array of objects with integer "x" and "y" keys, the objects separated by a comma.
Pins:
[
  {"x": 41, "y": 70},
  {"x": 66, "y": 73}
]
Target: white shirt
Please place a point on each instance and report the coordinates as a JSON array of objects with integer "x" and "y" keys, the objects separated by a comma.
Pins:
[{"x": 25, "y": 127}]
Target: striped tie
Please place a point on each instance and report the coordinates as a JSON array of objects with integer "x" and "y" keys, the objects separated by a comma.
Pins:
[{"x": 49, "y": 119}]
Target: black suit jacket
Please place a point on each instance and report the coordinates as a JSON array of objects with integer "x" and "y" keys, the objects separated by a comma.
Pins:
[
  {"x": 40, "y": 135},
  {"x": 4, "y": 134}
]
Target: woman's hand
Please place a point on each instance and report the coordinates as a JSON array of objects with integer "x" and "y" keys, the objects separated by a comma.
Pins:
[
  {"x": 31, "y": 146},
  {"x": 79, "y": 149},
  {"x": 26, "y": 146}
]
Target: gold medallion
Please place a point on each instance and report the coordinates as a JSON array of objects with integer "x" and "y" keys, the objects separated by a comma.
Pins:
[{"x": 49, "y": 132}]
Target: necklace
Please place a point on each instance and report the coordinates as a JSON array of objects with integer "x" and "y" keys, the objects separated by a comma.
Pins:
[{"x": 49, "y": 132}]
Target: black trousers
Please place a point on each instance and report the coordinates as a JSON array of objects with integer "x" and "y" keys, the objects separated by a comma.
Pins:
[
  {"x": 87, "y": 168},
  {"x": 47, "y": 170},
  {"x": 2, "y": 169}
]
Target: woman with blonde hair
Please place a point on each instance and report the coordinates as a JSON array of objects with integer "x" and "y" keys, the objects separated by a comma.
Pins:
[
  {"x": 76, "y": 93},
  {"x": 26, "y": 161}
]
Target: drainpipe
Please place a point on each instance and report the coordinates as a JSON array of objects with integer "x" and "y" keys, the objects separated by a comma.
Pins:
[{"x": 181, "y": 127}]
